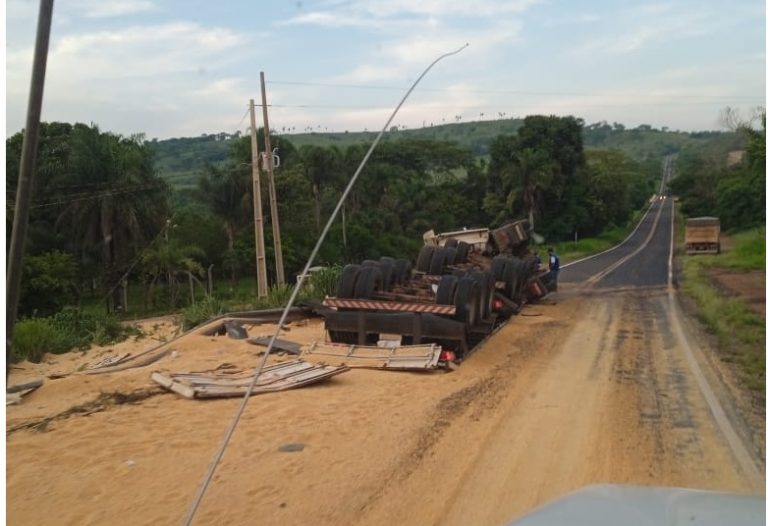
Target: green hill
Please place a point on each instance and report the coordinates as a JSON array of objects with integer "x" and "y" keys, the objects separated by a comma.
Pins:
[{"x": 181, "y": 161}]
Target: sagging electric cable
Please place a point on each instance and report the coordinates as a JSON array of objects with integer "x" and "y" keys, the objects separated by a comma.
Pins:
[{"x": 228, "y": 435}]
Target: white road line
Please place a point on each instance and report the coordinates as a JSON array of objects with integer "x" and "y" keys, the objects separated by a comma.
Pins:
[
  {"x": 739, "y": 450},
  {"x": 603, "y": 273},
  {"x": 671, "y": 247},
  {"x": 642, "y": 219}
]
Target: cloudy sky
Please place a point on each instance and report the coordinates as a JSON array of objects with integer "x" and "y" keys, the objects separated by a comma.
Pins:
[{"x": 182, "y": 68}]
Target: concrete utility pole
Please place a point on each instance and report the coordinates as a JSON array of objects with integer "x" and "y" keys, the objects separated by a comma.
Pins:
[
  {"x": 26, "y": 175},
  {"x": 272, "y": 193},
  {"x": 258, "y": 222}
]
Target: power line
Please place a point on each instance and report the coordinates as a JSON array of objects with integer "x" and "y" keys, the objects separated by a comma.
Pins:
[
  {"x": 138, "y": 258},
  {"x": 490, "y": 108},
  {"x": 230, "y": 430},
  {"x": 515, "y": 92},
  {"x": 88, "y": 196},
  {"x": 242, "y": 119}
]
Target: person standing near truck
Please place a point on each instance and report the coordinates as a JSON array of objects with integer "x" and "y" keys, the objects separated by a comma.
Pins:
[{"x": 554, "y": 267}]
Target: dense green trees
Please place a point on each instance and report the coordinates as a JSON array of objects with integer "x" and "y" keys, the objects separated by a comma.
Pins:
[
  {"x": 720, "y": 182},
  {"x": 97, "y": 198},
  {"x": 543, "y": 173},
  {"x": 102, "y": 210}
]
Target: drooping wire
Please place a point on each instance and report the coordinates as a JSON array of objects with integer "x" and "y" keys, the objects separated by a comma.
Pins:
[
  {"x": 518, "y": 92},
  {"x": 137, "y": 259},
  {"x": 228, "y": 435}
]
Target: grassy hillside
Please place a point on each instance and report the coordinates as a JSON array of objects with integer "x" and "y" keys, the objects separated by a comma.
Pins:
[{"x": 182, "y": 160}]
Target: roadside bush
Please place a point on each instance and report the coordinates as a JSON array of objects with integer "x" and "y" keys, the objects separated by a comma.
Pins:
[
  {"x": 68, "y": 329},
  {"x": 200, "y": 312},
  {"x": 83, "y": 329},
  {"x": 49, "y": 281},
  {"x": 34, "y": 337},
  {"x": 278, "y": 296},
  {"x": 324, "y": 282}
]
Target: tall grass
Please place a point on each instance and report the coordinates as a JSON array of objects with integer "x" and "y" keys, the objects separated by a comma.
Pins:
[
  {"x": 748, "y": 252},
  {"x": 68, "y": 329},
  {"x": 202, "y": 311},
  {"x": 324, "y": 282},
  {"x": 739, "y": 330}
]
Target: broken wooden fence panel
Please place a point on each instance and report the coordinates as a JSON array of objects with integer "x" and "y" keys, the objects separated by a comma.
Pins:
[{"x": 278, "y": 377}]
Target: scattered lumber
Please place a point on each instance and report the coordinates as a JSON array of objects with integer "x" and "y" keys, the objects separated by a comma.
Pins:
[{"x": 277, "y": 377}]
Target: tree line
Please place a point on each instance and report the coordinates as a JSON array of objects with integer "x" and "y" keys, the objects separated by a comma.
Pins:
[
  {"x": 728, "y": 183},
  {"x": 102, "y": 211}
]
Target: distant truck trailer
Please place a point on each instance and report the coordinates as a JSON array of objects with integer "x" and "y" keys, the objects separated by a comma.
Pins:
[{"x": 702, "y": 235}]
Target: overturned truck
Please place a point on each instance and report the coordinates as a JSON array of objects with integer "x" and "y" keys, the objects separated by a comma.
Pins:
[{"x": 462, "y": 285}]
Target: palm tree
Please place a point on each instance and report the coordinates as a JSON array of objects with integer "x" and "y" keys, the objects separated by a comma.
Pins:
[
  {"x": 321, "y": 168},
  {"x": 226, "y": 191},
  {"x": 125, "y": 204},
  {"x": 170, "y": 258},
  {"x": 531, "y": 173}
]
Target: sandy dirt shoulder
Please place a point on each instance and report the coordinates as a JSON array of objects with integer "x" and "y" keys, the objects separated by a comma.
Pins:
[{"x": 545, "y": 399}]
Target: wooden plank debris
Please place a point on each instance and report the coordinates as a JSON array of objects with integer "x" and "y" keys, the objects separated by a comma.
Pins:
[
  {"x": 277, "y": 377},
  {"x": 109, "y": 361},
  {"x": 130, "y": 363},
  {"x": 404, "y": 357},
  {"x": 280, "y": 345},
  {"x": 15, "y": 393}
]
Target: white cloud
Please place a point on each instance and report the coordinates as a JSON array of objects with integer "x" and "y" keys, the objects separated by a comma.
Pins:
[
  {"x": 392, "y": 14},
  {"x": 329, "y": 19},
  {"x": 366, "y": 73},
  {"x": 141, "y": 51},
  {"x": 226, "y": 86},
  {"x": 446, "y": 8},
  {"x": 124, "y": 79},
  {"x": 423, "y": 49},
  {"x": 113, "y": 8},
  {"x": 633, "y": 32}
]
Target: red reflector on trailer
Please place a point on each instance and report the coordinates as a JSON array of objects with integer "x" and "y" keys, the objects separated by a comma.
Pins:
[
  {"x": 497, "y": 304},
  {"x": 447, "y": 356}
]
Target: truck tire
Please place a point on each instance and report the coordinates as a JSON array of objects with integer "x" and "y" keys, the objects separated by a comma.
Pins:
[
  {"x": 369, "y": 280},
  {"x": 510, "y": 278},
  {"x": 425, "y": 258},
  {"x": 462, "y": 251},
  {"x": 485, "y": 282},
  {"x": 451, "y": 243},
  {"x": 438, "y": 261},
  {"x": 387, "y": 274},
  {"x": 446, "y": 289},
  {"x": 403, "y": 270},
  {"x": 346, "y": 288},
  {"x": 521, "y": 273},
  {"x": 497, "y": 267},
  {"x": 466, "y": 301},
  {"x": 450, "y": 255}
]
